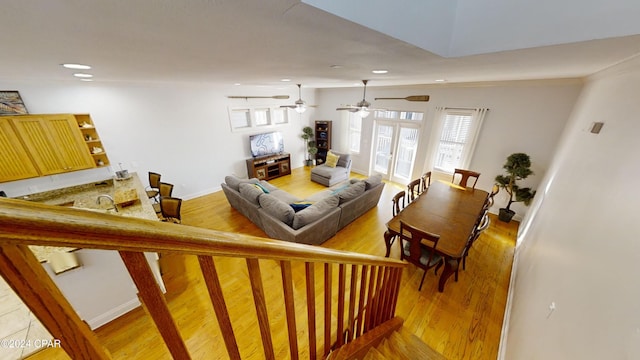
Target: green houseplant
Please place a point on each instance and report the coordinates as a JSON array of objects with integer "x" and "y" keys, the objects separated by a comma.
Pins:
[
  {"x": 309, "y": 144},
  {"x": 517, "y": 167}
]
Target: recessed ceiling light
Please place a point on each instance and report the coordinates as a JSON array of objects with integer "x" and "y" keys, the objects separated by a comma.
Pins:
[
  {"x": 285, "y": 80},
  {"x": 335, "y": 66},
  {"x": 380, "y": 71},
  {"x": 86, "y": 79},
  {"x": 237, "y": 84},
  {"x": 440, "y": 80},
  {"x": 83, "y": 75},
  {"x": 77, "y": 66}
]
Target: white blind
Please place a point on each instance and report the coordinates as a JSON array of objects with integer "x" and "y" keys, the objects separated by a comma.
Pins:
[{"x": 455, "y": 135}]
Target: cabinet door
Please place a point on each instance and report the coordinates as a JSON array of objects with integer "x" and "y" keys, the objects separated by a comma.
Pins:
[
  {"x": 54, "y": 142},
  {"x": 15, "y": 163}
]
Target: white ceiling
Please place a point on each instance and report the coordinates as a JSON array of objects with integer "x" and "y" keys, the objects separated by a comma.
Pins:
[{"x": 257, "y": 42}]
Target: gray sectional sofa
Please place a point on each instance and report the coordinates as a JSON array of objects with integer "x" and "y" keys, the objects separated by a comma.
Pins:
[{"x": 318, "y": 218}]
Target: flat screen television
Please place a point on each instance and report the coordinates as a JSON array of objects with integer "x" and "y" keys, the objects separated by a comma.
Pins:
[{"x": 266, "y": 144}]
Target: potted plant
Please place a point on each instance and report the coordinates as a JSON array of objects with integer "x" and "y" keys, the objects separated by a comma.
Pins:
[
  {"x": 309, "y": 144},
  {"x": 517, "y": 167}
]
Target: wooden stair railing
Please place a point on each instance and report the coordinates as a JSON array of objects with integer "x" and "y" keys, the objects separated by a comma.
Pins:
[{"x": 25, "y": 223}]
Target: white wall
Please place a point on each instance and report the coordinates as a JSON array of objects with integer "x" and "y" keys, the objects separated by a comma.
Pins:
[
  {"x": 179, "y": 130},
  {"x": 182, "y": 130},
  {"x": 580, "y": 249},
  {"x": 523, "y": 117}
]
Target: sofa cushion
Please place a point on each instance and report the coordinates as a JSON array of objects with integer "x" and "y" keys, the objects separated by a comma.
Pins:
[
  {"x": 332, "y": 159},
  {"x": 234, "y": 181},
  {"x": 328, "y": 172},
  {"x": 351, "y": 192},
  {"x": 277, "y": 208},
  {"x": 314, "y": 212},
  {"x": 373, "y": 181},
  {"x": 250, "y": 192},
  {"x": 284, "y": 196}
]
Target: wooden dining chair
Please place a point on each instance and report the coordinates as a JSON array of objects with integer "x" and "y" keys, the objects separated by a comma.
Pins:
[
  {"x": 482, "y": 225},
  {"x": 171, "y": 209},
  {"x": 419, "y": 248},
  {"x": 398, "y": 202},
  {"x": 165, "y": 190},
  {"x": 153, "y": 190},
  {"x": 465, "y": 176},
  {"x": 413, "y": 190},
  {"x": 425, "y": 181}
]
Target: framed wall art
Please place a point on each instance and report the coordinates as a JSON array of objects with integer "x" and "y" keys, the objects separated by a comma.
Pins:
[{"x": 11, "y": 103}]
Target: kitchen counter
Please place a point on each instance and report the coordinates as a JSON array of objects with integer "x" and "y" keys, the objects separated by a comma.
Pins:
[
  {"x": 86, "y": 197},
  {"x": 96, "y": 282}
]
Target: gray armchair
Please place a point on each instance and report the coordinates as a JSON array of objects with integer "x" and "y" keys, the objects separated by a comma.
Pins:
[{"x": 329, "y": 176}]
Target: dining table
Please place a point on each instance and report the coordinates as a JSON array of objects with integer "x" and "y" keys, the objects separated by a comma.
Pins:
[{"x": 447, "y": 210}]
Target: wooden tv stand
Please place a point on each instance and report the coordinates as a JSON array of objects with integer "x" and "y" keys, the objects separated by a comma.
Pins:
[{"x": 269, "y": 167}]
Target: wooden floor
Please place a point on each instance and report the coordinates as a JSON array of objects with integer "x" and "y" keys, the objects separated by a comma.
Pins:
[{"x": 464, "y": 322}]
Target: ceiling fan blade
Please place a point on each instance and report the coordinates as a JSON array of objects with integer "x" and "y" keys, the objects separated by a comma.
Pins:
[
  {"x": 288, "y": 106},
  {"x": 409, "y": 98},
  {"x": 283, "y": 97},
  {"x": 351, "y": 109}
]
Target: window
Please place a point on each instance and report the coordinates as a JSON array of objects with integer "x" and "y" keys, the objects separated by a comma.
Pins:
[
  {"x": 457, "y": 137},
  {"x": 355, "y": 132},
  {"x": 247, "y": 118}
]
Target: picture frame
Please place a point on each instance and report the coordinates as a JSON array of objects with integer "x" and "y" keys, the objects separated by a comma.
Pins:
[{"x": 11, "y": 103}]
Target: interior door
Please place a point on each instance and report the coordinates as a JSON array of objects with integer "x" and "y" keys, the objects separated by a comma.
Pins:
[{"x": 394, "y": 154}]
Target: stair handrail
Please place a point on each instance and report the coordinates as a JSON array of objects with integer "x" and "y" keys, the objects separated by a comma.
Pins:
[{"x": 24, "y": 223}]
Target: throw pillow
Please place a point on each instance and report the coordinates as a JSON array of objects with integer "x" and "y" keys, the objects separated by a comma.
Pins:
[
  {"x": 262, "y": 188},
  {"x": 314, "y": 212},
  {"x": 277, "y": 208},
  {"x": 250, "y": 192},
  {"x": 300, "y": 205},
  {"x": 344, "y": 159},
  {"x": 352, "y": 192},
  {"x": 332, "y": 159}
]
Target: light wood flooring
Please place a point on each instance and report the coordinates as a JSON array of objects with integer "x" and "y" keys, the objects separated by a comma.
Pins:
[{"x": 463, "y": 322}]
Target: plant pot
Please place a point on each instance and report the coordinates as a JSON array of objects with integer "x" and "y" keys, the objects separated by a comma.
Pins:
[
  {"x": 506, "y": 215},
  {"x": 308, "y": 162}
]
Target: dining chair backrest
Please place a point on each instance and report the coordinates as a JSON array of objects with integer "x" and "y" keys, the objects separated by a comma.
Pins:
[
  {"x": 413, "y": 190},
  {"x": 465, "y": 175},
  {"x": 398, "y": 202},
  {"x": 425, "y": 181},
  {"x": 170, "y": 208},
  {"x": 415, "y": 237},
  {"x": 154, "y": 180},
  {"x": 154, "y": 186},
  {"x": 494, "y": 191},
  {"x": 166, "y": 189}
]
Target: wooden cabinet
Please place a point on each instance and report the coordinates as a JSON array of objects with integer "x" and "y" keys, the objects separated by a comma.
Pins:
[
  {"x": 269, "y": 167},
  {"x": 40, "y": 145},
  {"x": 323, "y": 140},
  {"x": 15, "y": 163}
]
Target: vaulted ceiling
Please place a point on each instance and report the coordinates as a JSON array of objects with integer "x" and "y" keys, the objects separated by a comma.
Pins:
[{"x": 260, "y": 42}]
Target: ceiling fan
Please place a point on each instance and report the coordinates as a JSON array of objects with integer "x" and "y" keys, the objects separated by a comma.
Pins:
[
  {"x": 299, "y": 106},
  {"x": 260, "y": 97},
  {"x": 362, "y": 107}
]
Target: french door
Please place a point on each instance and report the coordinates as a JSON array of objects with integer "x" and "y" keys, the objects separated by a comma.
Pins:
[{"x": 395, "y": 146}]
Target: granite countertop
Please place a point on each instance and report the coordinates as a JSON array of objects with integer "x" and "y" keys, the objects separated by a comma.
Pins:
[{"x": 85, "y": 197}]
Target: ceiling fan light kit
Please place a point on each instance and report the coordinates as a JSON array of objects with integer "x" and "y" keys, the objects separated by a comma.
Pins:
[
  {"x": 362, "y": 107},
  {"x": 299, "y": 106}
]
